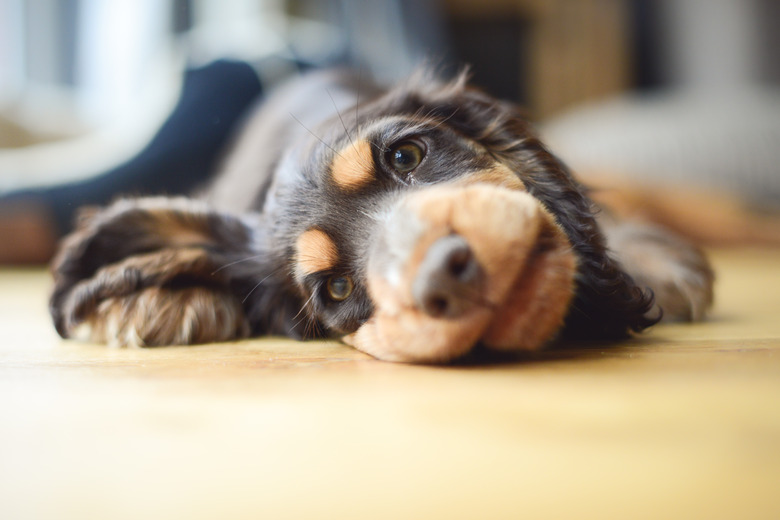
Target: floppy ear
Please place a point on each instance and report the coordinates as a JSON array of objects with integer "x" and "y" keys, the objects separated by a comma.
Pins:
[
  {"x": 156, "y": 271},
  {"x": 608, "y": 304}
]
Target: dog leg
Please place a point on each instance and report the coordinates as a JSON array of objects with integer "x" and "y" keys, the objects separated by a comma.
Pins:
[
  {"x": 677, "y": 271},
  {"x": 150, "y": 272}
]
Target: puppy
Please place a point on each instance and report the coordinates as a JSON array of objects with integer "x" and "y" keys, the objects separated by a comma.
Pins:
[{"x": 415, "y": 223}]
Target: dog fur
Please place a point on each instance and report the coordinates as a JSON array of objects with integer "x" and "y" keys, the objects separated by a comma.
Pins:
[{"x": 313, "y": 196}]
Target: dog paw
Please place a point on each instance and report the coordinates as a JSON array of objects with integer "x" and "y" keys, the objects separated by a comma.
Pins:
[
  {"x": 149, "y": 272},
  {"x": 166, "y": 297},
  {"x": 159, "y": 316},
  {"x": 678, "y": 272},
  {"x": 169, "y": 297}
]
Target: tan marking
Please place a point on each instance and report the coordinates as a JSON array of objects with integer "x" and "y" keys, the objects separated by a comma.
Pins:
[
  {"x": 500, "y": 225},
  {"x": 527, "y": 290},
  {"x": 538, "y": 302},
  {"x": 498, "y": 175},
  {"x": 179, "y": 229},
  {"x": 353, "y": 166},
  {"x": 314, "y": 252}
]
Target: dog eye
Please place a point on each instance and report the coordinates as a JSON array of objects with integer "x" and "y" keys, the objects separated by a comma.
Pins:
[
  {"x": 339, "y": 287},
  {"x": 405, "y": 156}
]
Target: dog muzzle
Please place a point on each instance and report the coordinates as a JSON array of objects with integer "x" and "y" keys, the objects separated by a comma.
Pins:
[{"x": 455, "y": 266}]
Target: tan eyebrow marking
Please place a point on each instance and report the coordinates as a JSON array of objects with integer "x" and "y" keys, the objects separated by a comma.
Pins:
[
  {"x": 499, "y": 175},
  {"x": 315, "y": 252},
  {"x": 353, "y": 166}
]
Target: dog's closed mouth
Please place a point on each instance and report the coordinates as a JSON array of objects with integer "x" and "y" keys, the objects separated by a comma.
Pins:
[{"x": 473, "y": 272}]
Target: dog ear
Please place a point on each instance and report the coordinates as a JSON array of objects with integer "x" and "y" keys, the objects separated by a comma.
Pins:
[
  {"x": 608, "y": 304},
  {"x": 164, "y": 270}
]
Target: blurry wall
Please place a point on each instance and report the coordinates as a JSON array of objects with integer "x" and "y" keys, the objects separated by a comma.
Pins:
[
  {"x": 73, "y": 68},
  {"x": 548, "y": 54},
  {"x": 90, "y": 58},
  {"x": 83, "y": 58},
  {"x": 89, "y": 81},
  {"x": 555, "y": 54}
]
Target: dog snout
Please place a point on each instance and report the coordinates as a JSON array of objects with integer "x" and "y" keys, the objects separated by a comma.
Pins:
[{"x": 448, "y": 279}]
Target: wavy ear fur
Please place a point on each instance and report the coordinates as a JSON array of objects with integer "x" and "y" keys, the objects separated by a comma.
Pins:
[
  {"x": 166, "y": 270},
  {"x": 608, "y": 304}
]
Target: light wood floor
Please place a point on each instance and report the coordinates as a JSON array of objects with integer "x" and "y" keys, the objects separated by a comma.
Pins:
[{"x": 682, "y": 423}]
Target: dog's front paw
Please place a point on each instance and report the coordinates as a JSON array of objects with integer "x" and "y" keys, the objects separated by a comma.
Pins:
[
  {"x": 162, "y": 316},
  {"x": 169, "y": 297},
  {"x": 678, "y": 272},
  {"x": 150, "y": 272}
]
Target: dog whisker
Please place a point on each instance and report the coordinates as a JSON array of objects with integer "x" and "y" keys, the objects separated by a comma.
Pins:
[
  {"x": 305, "y": 304},
  {"x": 357, "y": 101},
  {"x": 306, "y": 316},
  {"x": 258, "y": 284},
  {"x": 380, "y": 149},
  {"x": 446, "y": 118},
  {"x": 312, "y": 328},
  {"x": 338, "y": 113},
  {"x": 320, "y": 139},
  {"x": 254, "y": 257}
]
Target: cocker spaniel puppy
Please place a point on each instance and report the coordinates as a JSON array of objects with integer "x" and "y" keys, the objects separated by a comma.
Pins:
[{"x": 414, "y": 223}]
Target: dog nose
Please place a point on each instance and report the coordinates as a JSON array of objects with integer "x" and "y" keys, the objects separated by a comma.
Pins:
[{"x": 448, "y": 279}]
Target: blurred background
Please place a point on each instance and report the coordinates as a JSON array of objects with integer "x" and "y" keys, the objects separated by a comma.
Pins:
[{"x": 660, "y": 90}]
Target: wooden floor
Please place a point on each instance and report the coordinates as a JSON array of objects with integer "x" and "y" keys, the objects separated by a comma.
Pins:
[{"x": 682, "y": 423}]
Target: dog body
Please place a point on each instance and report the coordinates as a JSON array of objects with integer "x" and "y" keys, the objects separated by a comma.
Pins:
[{"x": 415, "y": 222}]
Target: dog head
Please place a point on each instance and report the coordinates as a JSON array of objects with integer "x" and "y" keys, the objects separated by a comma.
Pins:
[{"x": 432, "y": 218}]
